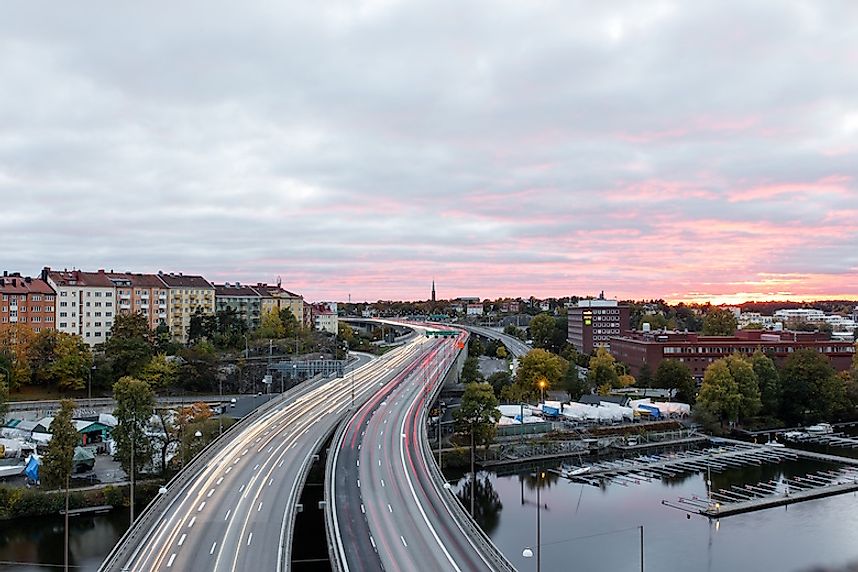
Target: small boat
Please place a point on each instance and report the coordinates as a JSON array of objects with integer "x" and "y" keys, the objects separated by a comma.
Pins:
[
  {"x": 820, "y": 429},
  {"x": 576, "y": 472},
  {"x": 775, "y": 444}
]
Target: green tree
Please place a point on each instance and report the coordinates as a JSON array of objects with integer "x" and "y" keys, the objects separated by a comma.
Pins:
[
  {"x": 471, "y": 370},
  {"x": 719, "y": 322},
  {"x": 674, "y": 374},
  {"x": 542, "y": 331},
  {"x": 603, "y": 370},
  {"x": 346, "y": 333},
  {"x": 501, "y": 352},
  {"x": 573, "y": 383},
  {"x": 499, "y": 380},
  {"x": 60, "y": 455},
  {"x": 478, "y": 413},
  {"x": 475, "y": 348},
  {"x": 811, "y": 390},
  {"x": 645, "y": 376},
  {"x": 719, "y": 395},
  {"x": 271, "y": 326},
  {"x": 743, "y": 372},
  {"x": 160, "y": 372},
  {"x": 769, "y": 382},
  {"x": 536, "y": 366},
  {"x": 130, "y": 345},
  {"x": 72, "y": 360},
  {"x": 291, "y": 327},
  {"x": 135, "y": 403}
]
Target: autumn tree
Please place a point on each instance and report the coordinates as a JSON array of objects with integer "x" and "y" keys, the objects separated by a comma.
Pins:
[
  {"x": 71, "y": 365},
  {"x": 160, "y": 372},
  {"x": 719, "y": 322},
  {"x": 59, "y": 458},
  {"x": 730, "y": 391},
  {"x": 271, "y": 326},
  {"x": 603, "y": 371},
  {"x": 536, "y": 366}
]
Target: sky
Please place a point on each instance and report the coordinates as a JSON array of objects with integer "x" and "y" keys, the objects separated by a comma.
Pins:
[{"x": 696, "y": 151}]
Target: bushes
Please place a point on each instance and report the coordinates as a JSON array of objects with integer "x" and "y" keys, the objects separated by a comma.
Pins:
[{"x": 17, "y": 502}]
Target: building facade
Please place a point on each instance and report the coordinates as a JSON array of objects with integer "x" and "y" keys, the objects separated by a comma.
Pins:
[
  {"x": 592, "y": 324},
  {"x": 143, "y": 294},
  {"x": 85, "y": 303},
  {"x": 325, "y": 317},
  {"x": 27, "y": 301},
  {"x": 187, "y": 294},
  {"x": 276, "y": 298},
  {"x": 245, "y": 301},
  {"x": 697, "y": 351}
]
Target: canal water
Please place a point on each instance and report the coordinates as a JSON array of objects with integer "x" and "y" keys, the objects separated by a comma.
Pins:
[
  {"x": 37, "y": 544},
  {"x": 596, "y": 529}
]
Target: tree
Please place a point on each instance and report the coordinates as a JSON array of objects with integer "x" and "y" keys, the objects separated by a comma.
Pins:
[
  {"x": 811, "y": 391},
  {"x": 719, "y": 395},
  {"x": 719, "y": 322},
  {"x": 542, "y": 331},
  {"x": 499, "y": 380},
  {"x": 271, "y": 326},
  {"x": 478, "y": 413},
  {"x": 130, "y": 345},
  {"x": 346, "y": 333},
  {"x": 59, "y": 458},
  {"x": 573, "y": 384},
  {"x": 603, "y": 370},
  {"x": 769, "y": 381},
  {"x": 198, "y": 371},
  {"x": 501, "y": 352},
  {"x": 160, "y": 372},
  {"x": 135, "y": 403},
  {"x": 674, "y": 374},
  {"x": 72, "y": 360},
  {"x": 536, "y": 366},
  {"x": 645, "y": 377},
  {"x": 749, "y": 388},
  {"x": 471, "y": 370},
  {"x": 291, "y": 327},
  {"x": 475, "y": 348}
]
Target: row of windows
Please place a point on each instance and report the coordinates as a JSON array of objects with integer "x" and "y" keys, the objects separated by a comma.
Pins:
[{"x": 23, "y": 319}]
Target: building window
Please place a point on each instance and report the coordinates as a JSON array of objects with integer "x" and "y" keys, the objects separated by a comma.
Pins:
[
  {"x": 63, "y": 304},
  {"x": 63, "y": 314},
  {"x": 63, "y": 324}
]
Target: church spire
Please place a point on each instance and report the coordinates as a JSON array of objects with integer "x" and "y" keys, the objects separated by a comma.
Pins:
[{"x": 433, "y": 289}]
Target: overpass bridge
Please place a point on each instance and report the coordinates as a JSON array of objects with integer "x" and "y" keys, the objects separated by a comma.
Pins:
[
  {"x": 388, "y": 507},
  {"x": 515, "y": 346}
]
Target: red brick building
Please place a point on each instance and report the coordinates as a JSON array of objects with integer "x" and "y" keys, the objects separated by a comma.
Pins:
[
  {"x": 25, "y": 300},
  {"x": 697, "y": 351}
]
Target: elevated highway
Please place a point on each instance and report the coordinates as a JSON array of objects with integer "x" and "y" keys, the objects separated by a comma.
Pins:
[
  {"x": 234, "y": 509},
  {"x": 388, "y": 508},
  {"x": 517, "y": 347}
]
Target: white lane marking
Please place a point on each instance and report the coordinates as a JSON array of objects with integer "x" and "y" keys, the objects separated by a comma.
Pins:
[
  {"x": 182, "y": 539},
  {"x": 227, "y": 514},
  {"x": 235, "y": 462},
  {"x": 270, "y": 481},
  {"x": 241, "y": 488},
  {"x": 259, "y": 507},
  {"x": 379, "y": 462},
  {"x": 382, "y": 482},
  {"x": 256, "y": 467},
  {"x": 211, "y": 492},
  {"x": 193, "y": 520},
  {"x": 202, "y": 506},
  {"x": 170, "y": 562},
  {"x": 249, "y": 538},
  {"x": 358, "y": 462},
  {"x": 281, "y": 463},
  {"x": 213, "y": 547},
  {"x": 379, "y": 445},
  {"x": 402, "y": 538},
  {"x": 228, "y": 469},
  {"x": 362, "y": 509},
  {"x": 243, "y": 453},
  {"x": 371, "y": 539},
  {"x": 219, "y": 481},
  {"x": 380, "y": 434},
  {"x": 389, "y": 508},
  {"x": 358, "y": 483}
]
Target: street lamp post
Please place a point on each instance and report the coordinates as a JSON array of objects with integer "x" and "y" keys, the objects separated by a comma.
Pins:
[
  {"x": 542, "y": 390},
  {"x": 541, "y": 476},
  {"x": 89, "y": 385}
]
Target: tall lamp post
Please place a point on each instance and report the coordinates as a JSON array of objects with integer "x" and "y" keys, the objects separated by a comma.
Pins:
[
  {"x": 542, "y": 385},
  {"x": 528, "y": 552},
  {"x": 89, "y": 385}
]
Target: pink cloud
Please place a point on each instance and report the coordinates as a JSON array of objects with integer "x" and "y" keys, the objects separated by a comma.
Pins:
[{"x": 827, "y": 186}]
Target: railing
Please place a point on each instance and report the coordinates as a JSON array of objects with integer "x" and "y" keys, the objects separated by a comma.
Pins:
[{"x": 142, "y": 527}]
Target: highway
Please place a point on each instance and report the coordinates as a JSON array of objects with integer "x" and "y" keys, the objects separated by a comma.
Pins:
[
  {"x": 517, "y": 347},
  {"x": 388, "y": 512},
  {"x": 237, "y": 513}
]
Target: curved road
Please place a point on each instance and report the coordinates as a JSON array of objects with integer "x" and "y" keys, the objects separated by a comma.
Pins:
[
  {"x": 517, "y": 347},
  {"x": 237, "y": 514},
  {"x": 388, "y": 512}
]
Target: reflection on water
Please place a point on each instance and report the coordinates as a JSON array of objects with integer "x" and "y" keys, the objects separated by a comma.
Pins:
[
  {"x": 593, "y": 528},
  {"x": 41, "y": 540},
  {"x": 487, "y": 503}
]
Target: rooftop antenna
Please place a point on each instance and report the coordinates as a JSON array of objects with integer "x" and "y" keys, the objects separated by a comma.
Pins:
[{"x": 279, "y": 281}]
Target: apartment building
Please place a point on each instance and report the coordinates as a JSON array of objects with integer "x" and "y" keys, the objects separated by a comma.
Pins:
[
  {"x": 244, "y": 300},
  {"x": 85, "y": 303},
  {"x": 325, "y": 317},
  {"x": 26, "y": 300},
  {"x": 276, "y": 298},
  {"x": 142, "y": 294},
  {"x": 186, "y": 295}
]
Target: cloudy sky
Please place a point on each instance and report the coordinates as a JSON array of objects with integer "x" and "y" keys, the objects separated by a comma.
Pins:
[{"x": 684, "y": 150}]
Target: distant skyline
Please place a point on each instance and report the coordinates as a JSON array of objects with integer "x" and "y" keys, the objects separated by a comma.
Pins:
[{"x": 703, "y": 151}]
